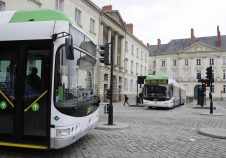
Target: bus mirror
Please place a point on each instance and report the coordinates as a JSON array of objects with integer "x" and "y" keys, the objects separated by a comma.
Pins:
[{"x": 69, "y": 49}]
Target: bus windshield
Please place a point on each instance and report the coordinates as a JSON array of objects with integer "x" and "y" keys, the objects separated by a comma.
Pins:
[
  {"x": 157, "y": 92},
  {"x": 74, "y": 78}
]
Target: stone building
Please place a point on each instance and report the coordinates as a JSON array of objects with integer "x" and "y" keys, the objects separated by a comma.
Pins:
[
  {"x": 130, "y": 58},
  {"x": 186, "y": 60}
]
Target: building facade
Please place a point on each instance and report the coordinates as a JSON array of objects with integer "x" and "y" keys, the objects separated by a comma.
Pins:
[
  {"x": 186, "y": 60},
  {"x": 136, "y": 63},
  {"x": 130, "y": 58}
]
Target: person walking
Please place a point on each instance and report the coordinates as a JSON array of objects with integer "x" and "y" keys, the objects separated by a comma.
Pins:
[
  {"x": 126, "y": 100},
  {"x": 141, "y": 97}
]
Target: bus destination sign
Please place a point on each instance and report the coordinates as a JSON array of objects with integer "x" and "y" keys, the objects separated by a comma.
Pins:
[{"x": 156, "y": 81}]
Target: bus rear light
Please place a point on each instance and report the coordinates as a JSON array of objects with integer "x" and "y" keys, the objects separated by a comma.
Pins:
[{"x": 62, "y": 132}]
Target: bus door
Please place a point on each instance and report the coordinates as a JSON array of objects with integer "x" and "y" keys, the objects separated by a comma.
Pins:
[{"x": 24, "y": 93}]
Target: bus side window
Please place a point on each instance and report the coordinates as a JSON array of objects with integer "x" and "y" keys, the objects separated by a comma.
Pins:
[{"x": 60, "y": 93}]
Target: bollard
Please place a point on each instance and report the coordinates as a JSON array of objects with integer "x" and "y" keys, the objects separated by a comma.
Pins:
[{"x": 106, "y": 108}]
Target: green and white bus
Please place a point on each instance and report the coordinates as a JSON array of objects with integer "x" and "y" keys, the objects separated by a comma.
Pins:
[
  {"x": 47, "y": 80},
  {"x": 161, "y": 91}
]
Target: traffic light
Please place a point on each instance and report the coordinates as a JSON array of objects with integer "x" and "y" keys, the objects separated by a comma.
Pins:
[
  {"x": 209, "y": 74},
  {"x": 109, "y": 94},
  {"x": 199, "y": 76},
  {"x": 104, "y": 52}
]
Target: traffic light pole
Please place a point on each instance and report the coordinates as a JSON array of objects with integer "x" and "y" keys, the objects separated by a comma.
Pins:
[
  {"x": 211, "y": 100},
  {"x": 110, "y": 114}
]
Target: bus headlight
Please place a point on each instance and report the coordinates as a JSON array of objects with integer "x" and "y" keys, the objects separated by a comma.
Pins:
[{"x": 62, "y": 132}]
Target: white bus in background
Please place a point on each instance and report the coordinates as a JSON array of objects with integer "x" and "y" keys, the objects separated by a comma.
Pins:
[
  {"x": 160, "y": 91},
  {"x": 47, "y": 80}
]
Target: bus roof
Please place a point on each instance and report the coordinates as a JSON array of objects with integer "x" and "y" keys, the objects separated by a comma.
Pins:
[
  {"x": 157, "y": 77},
  {"x": 38, "y": 15}
]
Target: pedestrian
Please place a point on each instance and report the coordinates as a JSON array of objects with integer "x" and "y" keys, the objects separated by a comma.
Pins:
[
  {"x": 126, "y": 100},
  {"x": 141, "y": 97}
]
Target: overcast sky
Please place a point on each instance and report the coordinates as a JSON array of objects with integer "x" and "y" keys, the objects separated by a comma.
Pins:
[{"x": 171, "y": 19}]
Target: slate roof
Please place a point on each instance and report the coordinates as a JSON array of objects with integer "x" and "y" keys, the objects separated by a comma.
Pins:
[{"x": 174, "y": 46}]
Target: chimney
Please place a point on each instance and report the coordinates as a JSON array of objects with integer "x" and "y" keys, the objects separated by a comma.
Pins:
[
  {"x": 159, "y": 44},
  {"x": 130, "y": 28},
  {"x": 218, "y": 37},
  {"x": 107, "y": 8},
  {"x": 192, "y": 36}
]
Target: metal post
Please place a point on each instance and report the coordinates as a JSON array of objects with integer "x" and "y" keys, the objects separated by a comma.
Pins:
[
  {"x": 211, "y": 99},
  {"x": 110, "y": 114},
  {"x": 137, "y": 93}
]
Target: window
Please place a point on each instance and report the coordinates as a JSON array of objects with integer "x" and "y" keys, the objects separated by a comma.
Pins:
[
  {"x": 126, "y": 84},
  {"x": 224, "y": 88},
  {"x": 37, "y": 2},
  {"x": 174, "y": 74},
  {"x": 132, "y": 51},
  {"x": 126, "y": 46},
  {"x": 82, "y": 41},
  {"x": 145, "y": 69},
  {"x": 78, "y": 14},
  {"x": 186, "y": 74},
  {"x": 224, "y": 74},
  {"x": 224, "y": 61},
  {"x": 2, "y": 6},
  {"x": 136, "y": 67},
  {"x": 137, "y": 53},
  {"x": 74, "y": 82},
  {"x": 174, "y": 63},
  {"x": 211, "y": 61},
  {"x": 154, "y": 63},
  {"x": 59, "y": 5},
  {"x": 186, "y": 62},
  {"x": 131, "y": 66},
  {"x": 92, "y": 26},
  {"x": 199, "y": 75},
  {"x": 120, "y": 79},
  {"x": 145, "y": 58},
  {"x": 198, "y": 61},
  {"x": 141, "y": 55},
  {"x": 164, "y": 72},
  {"x": 105, "y": 88},
  {"x": 105, "y": 77},
  {"x": 131, "y": 84},
  {"x": 141, "y": 70},
  {"x": 126, "y": 65},
  {"x": 163, "y": 63}
]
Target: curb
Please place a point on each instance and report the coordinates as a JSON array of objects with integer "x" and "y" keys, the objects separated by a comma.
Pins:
[
  {"x": 204, "y": 107},
  {"x": 137, "y": 105},
  {"x": 213, "y": 132},
  {"x": 214, "y": 114},
  {"x": 115, "y": 126}
]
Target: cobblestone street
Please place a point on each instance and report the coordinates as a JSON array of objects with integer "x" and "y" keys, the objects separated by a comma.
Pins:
[{"x": 152, "y": 133}]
